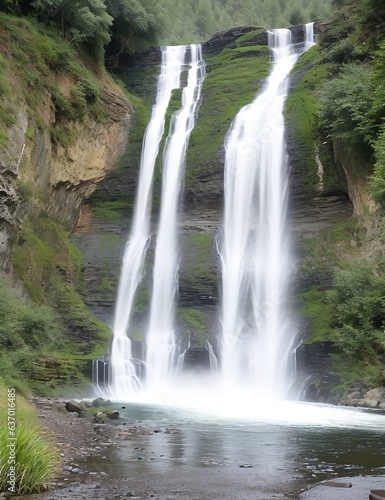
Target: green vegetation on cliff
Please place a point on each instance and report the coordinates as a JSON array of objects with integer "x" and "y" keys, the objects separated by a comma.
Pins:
[
  {"x": 54, "y": 88},
  {"x": 337, "y": 110},
  {"x": 35, "y": 59},
  {"x": 351, "y": 313},
  {"x": 233, "y": 79},
  {"x": 57, "y": 337}
]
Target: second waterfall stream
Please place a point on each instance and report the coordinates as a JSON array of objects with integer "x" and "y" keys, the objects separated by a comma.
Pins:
[{"x": 256, "y": 329}]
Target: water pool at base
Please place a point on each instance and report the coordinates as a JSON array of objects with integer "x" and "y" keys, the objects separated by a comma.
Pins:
[{"x": 288, "y": 443}]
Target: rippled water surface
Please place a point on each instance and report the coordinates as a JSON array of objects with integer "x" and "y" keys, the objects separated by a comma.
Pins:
[{"x": 282, "y": 443}]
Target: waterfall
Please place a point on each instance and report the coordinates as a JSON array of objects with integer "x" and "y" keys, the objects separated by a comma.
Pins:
[
  {"x": 124, "y": 378},
  {"x": 161, "y": 349},
  {"x": 257, "y": 330},
  {"x": 309, "y": 35}
]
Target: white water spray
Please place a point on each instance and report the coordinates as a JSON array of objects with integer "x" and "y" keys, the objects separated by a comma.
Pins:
[
  {"x": 160, "y": 337},
  {"x": 124, "y": 379},
  {"x": 257, "y": 331}
]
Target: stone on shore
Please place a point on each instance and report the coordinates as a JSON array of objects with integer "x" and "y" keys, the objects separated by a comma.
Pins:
[
  {"x": 113, "y": 415},
  {"x": 75, "y": 407},
  {"x": 99, "y": 402}
]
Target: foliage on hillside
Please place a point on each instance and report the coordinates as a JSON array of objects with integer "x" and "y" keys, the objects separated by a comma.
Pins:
[
  {"x": 198, "y": 21},
  {"x": 352, "y": 105},
  {"x": 50, "y": 339},
  {"x": 30, "y": 72},
  {"x": 340, "y": 94},
  {"x": 130, "y": 25}
]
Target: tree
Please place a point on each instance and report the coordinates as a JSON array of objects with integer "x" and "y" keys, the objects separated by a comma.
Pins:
[
  {"x": 46, "y": 9},
  {"x": 135, "y": 26},
  {"x": 81, "y": 21},
  {"x": 296, "y": 16},
  {"x": 8, "y": 6},
  {"x": 205, "y": 20},
  {"x": 345, "y": 108},
  {"x": 359, "y": 312}
]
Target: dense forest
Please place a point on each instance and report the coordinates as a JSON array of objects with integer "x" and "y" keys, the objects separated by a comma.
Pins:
[{"x": 130, "y": 25}]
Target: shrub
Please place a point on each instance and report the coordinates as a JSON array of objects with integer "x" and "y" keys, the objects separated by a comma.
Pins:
[
  {"x": 357, "y": 298},
  {"x": 345, "y": 104}
]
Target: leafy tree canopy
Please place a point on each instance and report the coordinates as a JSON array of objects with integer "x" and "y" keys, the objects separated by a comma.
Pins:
[{"x": 131, "y": 25}]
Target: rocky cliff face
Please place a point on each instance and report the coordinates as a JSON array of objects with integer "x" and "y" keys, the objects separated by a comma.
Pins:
[
  {"x": 356, "y": 172},
  {"x": 36, "y": 171}
]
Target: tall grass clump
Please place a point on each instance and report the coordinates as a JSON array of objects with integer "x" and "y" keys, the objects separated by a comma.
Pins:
[{"x": 34, "y": 460}]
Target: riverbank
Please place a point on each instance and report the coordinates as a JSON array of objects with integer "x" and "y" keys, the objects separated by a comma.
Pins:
[{"x": 125, "y": 459}]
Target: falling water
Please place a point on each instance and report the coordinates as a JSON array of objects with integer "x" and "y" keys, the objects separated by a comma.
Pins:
[
  {"x": 160, "y": 338},
  {"x": 124, "y": 379},
  {"x": 257, "y": 330}
]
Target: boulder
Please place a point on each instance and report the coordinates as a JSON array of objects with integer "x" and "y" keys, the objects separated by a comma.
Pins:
[
  {"x": 98, "y": 402},
  {"x": 113, "y": 415},
  {"x": 371, "y": 403},
  {"x": 75, "y": 407},
  {"x": 377, "y": 393}
]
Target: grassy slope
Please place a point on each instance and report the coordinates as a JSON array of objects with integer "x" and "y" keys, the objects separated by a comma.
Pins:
[{"x": 36, "y": 459}]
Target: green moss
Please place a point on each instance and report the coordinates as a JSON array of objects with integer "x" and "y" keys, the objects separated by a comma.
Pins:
[
  {"x": 76, "y": 315},
  {"x": 196, "y": 271},
  {"x": 316, "y": 308},
  {"x": 248, "y": 37},
  {"x": 5, "y": 87},
  {"x": 301, "y": 113},
  {"x": 142, "y": 299},
  {"x": 49, "y": 266},
  {"x": 233, "y": 80},
  {"x": 195, "y": 320},
  {"x": 352, "y": 370},
  {"x": 3, "y": 138},
  {"x": 43, "y": 248},
  {"x": 105, "y": 284},
  {"x": 7, "y": 114},
  {"x": 62, "y": 136},
  {"x": 342, "y": 231},
  {"x": 110, "y": 209}
]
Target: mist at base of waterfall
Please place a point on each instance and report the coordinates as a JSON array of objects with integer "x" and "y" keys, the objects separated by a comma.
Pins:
[{"x": 204, "y": 397}]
